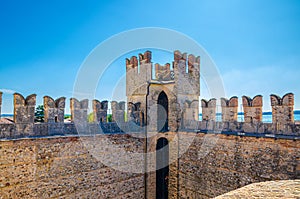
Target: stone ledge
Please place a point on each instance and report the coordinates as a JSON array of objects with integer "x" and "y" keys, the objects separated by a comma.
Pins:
[{"x": 270, "y": 189}]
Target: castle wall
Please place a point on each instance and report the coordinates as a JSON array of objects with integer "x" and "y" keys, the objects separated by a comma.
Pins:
[
  {"x": 216, "y": 164},
  {"x": 173, "y": 106},
  {"x": 64, "y": 168}
]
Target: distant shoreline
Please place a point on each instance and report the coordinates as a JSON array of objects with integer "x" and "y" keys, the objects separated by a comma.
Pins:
[{"x": 296, "y": 112}]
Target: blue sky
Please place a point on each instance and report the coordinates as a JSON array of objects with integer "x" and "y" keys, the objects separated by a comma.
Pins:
[{"x": 255, "y": 44}]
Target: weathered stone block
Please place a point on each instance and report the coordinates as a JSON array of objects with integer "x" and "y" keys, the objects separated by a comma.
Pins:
[
  {"x": 229, "y": 109},
  {"x": 252, "y": 109},
  {"x": 209, "y": 109},
  {"x": 100, "y": 111},
  {"x": 24, "y": 108},
  {"x": 24, "y": 114},
  {"x": 79, "y": 110},
  {"x": 282, "y": 111},
  {"x": 54, "y": 110},
  {"x": 118, "y": 111}
]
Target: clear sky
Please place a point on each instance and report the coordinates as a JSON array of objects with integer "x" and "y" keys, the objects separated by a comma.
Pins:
[{"x": 254, "y": 43}]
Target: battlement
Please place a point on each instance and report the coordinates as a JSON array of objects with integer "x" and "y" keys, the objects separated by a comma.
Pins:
[
  {"x": 24, "y": 108},
  {"x": 253, "y": 108},
  {"x": 229, "y": 109},
  {"x": 282, "y": 109},
  {"x": 184, "y": 72},
  {"x": 186, "y": 63},
  {"x": 100, "y": 111},
  {"x": 118, "y": 111},
  {"x": 54, "y": 110},
  {"x": 23, "y": 124},
  {"x": 134, "y": 113},
  {"x": 282, "y": 113},
  {"x": 208, "y": 109},
  {"x": 163, "y": 72},
  {"x": 134, "y": 62}
]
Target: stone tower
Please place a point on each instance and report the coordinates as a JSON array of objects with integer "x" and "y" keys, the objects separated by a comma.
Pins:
[{"x": 163, "y": 98}]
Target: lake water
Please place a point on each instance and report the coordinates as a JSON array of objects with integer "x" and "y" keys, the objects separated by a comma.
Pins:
[{"x": 267, "y": 118}]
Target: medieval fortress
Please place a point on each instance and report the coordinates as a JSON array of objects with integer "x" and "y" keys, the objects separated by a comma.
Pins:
[{"x": 48, "y": 160}]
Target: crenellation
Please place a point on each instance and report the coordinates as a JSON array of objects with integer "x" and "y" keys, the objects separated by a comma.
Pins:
[
  {"x": 24, "y": 108},
  {"x": 54, "y": 110},
  {"x": 186, "y": 75},
  {"x": 179, "y": 63},
  {"x": 100, "y": 111},
  {"x": 229, "y": 109},
  {"x": 179, "y": 56},
  {"x": 139, "y": 72},
  {"x": 134, "y": 113},
  {"x": 205, "y": 158},
  {"x": 190, "y": 108},
  {"x": 54, "y": 116},
  {"x": 253, "y": 109},
  {"x": 79, "y": 113},
  {"x": 24, "y": 114},
  {"x": 282, "y": 111},
  {"x": 163, "y": 72},
  {"x": 118, "y": 111},
  {"x": 179, "y": 97},
  {"x": 209, "y": 109},
  {"x": 132, "y": 62},
  {"x": 193, "y": 64},
  {"x": 145, "y": 58}
]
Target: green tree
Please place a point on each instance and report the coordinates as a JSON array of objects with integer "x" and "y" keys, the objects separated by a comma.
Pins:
[
  {"x": 109, "y": 117},
  {"x": 91, "y": 117},
  {"x": 39, "y": 114}
]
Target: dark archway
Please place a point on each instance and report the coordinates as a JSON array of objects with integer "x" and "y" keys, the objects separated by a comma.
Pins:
[
  {"x": 162, "y": 112},
  {"x": 162, "y": 168}
]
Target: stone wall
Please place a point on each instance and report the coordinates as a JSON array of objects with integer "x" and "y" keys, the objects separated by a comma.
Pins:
[
  {"x": 216, "y": 164},
  {"x": 64, "y": 167}
]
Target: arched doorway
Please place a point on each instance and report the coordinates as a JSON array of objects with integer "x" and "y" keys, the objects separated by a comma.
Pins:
[
  {"x": 162, "y": 112},
  {"x": 162, "y": 168}
]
